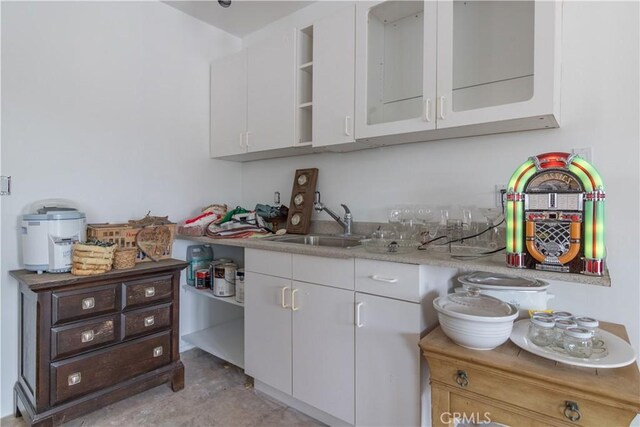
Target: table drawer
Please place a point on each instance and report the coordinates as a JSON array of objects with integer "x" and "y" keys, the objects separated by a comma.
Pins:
[
  {"x": 83, "y": 303},
  {"x": 103, "y": 368},
  {"x": 145, "y": 321},
  {"x": 474, "y": 411},
  {"x": 72, "y": 339},
  {"x": 147, "y": 291},
  {"x": 540, "y": 398},
  {"x": 389, "y": 279}
]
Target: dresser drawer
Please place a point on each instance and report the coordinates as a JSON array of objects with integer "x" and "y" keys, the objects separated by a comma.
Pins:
[
  {"x": 103, "y": 368},
  {"x": 147, "y": 291},
  {"x": 533, "y": 397},
  {"x": 147, "y": 320},
  {"x": 389, "y": 279},
  {"x": 72, "y": 339},
  {"x": 83, "y": 303}
]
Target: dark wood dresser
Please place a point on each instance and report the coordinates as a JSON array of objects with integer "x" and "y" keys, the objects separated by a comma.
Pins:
[{"x": 86, "y": 342}]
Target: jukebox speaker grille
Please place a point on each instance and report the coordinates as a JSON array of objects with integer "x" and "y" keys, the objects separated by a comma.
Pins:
[{"x": 552, "y": 238}]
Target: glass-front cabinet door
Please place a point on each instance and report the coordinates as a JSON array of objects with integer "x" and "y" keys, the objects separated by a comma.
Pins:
[
  {"x": 496, "y": 61},
  {"x": 395, "y": 67}
]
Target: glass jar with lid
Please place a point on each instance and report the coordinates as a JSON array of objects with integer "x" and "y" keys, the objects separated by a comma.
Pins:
[
  {"x": 591, "y": 325},
  {"x": 562, "y": 315},
  {"x": 542, "y": 331},
  {"x": 561, "y": 325},
  {"x": 577, "y": 342}
]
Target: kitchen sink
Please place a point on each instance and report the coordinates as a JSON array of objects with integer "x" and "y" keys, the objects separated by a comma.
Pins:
[{"x": 320, "y": 240}]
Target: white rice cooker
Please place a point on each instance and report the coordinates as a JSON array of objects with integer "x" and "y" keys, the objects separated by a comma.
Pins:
[
  {"x": 526, "y": 294},
  {"x": 47, "y": 237}
]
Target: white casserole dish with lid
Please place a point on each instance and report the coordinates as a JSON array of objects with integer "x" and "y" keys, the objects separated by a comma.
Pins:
[{"x": 475, "y": 321}]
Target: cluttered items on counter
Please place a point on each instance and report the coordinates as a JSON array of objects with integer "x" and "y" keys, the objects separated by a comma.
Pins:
[
  {"x": 197, "y": 226},
  {"x": 555, "y": 215}
]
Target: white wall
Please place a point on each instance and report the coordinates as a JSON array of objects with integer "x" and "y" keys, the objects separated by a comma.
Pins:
[
  {"x": 106, "y": 104},
  {"x": 599, "y": 110}
]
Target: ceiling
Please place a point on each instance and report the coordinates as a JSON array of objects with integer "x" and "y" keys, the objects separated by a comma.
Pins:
[{"x": 242, "y": 17}]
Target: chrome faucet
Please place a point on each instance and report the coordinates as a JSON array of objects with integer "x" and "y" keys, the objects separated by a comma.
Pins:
[{"x": 345, "y": 223}]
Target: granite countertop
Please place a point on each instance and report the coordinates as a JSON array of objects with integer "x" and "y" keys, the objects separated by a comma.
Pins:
[{"x": 493, "y": 264}]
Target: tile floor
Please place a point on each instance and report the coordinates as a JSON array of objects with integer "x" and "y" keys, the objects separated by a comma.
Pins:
[{"x": 214, "y": 395}]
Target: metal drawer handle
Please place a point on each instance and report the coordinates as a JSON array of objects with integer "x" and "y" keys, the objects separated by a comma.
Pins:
[
  {"x": 462, "y": 378},
  {"x": 157, "y": 352},
  {"x": 572, "y": 411},
  {"x": 88, "y": 303},
  {"x": 87, "y": 336},
  {"x": 74, "y": 378},
  {"x": 149, "y": 321},
  {"x": 383, "y": 279},
  {"x": 149, "y": 292}
]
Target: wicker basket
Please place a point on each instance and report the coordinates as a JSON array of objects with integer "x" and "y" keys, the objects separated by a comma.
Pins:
[{"x": 125, "y": 258}]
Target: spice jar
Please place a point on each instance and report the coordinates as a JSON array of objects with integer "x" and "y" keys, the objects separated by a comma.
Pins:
[
  {"x": 543, "y": 314},
  {"x": 577, "y": 342},
  {"x": 561, "y": 326},
  {"x": 562, "y": 315},
  {"x": 591, "y": 325},
  {"x": 542, "y": 331}
]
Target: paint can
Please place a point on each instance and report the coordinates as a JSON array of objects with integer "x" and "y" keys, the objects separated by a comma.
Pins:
[
  {"x": 240, "y": 285},
  {"x": 224, "y": 279},
  {"x": 212, "y": 266},
  {"x": 202, "y": 278}
]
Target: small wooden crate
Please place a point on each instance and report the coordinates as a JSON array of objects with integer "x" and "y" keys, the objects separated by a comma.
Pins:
[{"x": 124, "y": 235}]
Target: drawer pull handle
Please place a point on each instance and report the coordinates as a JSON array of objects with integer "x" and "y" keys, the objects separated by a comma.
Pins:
[
  {"x": 87, "y": 336},
  {"x": 157, "y": 352},
  {"x": 149, "y": 321},
  {"x": 383, "y": 279},
  {"x": 462, "y": 378},
  {"x": 572, "y": 411},
  {"x": 88, "y": 303},
  {"x": 74, "y": 378},
  {"x": 149, "y": 292}
]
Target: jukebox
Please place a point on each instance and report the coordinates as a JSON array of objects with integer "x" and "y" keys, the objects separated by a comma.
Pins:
[{"x": 555, "y": 215}]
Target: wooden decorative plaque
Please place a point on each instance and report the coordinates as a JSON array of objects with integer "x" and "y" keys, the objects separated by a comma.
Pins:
[{"x": 301, "y": 207}]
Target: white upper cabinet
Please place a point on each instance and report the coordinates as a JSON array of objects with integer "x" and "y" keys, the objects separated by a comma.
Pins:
[
  {"x": 334, "y": 78},
  {"x": 271, "y": 92},
  {"x": 229, "y": 105},
  {"x": 496, "y": 62},
  {"x": 395, "y": 67}
]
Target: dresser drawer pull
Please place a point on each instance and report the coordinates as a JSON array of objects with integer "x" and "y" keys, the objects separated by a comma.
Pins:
[
  {"x": 572, "y": 411},
  {"x": 157, "y": 352},
  {"x": 88, "y": 303},
  {"x": 149, "y": 292},
  {"x": 87, "y": 336},
  {"x": 149, "y": 321},
  {"x": 462, "y": 378},
  {"x": 383, "y": 279},
  {"x": 74, "y": 378}
]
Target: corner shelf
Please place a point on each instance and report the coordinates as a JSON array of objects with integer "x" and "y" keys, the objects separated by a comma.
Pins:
[
  {"x": 209, "y": 294},
  {"x": 225, "y": 341}
]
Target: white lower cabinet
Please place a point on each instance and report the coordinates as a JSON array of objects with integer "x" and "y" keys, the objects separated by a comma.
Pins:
[{"x": 387, "y": 361}]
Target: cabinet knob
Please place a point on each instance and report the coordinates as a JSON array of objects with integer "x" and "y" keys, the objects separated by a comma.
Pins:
[
  {"x": 149, "y": 321},
  {"x": 572, "y": 411},
  {"x": 462, "y": 378},
  {"x": 157, "y": 352},
  {"x": 88, "y": 303},
  {"x": 74, "y": 378},
  {"x": 87, "y": 336},
  {"x": 149, "y": 292}
]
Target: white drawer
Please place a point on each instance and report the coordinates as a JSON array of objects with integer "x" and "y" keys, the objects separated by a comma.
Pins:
[
  {"x": 336, "y": 272},
  {"x": 268, "y": 262},
  {"x": 389, "y": 279}
]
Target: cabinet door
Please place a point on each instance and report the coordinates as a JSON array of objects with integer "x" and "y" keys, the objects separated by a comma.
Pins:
[
  {"x": 229, "y": 105},
  {"x": 387, "y": 362},
  {"x": 323, "y": 348},
  {"x": 271, "y": 92},
  {"x": 496, "y": 61},
  {"x": 395, "y": 67},
  {"x": 334, "y": 78},
  {"x": 267, "y": 336}
]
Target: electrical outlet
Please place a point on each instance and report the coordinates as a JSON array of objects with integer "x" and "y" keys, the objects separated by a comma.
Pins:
[
  {"x": 500, "y": 189},
  {"x": 584, "y": 152}
]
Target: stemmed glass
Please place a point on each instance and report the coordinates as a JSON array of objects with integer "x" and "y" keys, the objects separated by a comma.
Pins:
[{"x": 492, "y": 215}]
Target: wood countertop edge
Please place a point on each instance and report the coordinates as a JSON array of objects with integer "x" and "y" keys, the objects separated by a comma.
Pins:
[{"x": 627, "y": 400}]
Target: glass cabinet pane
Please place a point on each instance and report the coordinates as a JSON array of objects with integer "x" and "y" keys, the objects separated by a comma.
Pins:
[
  {"x": 493, "y": 53},
  {"x": 395, "y": 61}
]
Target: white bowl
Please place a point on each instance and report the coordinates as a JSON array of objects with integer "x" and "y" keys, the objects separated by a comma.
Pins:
[{"x": 482, "y": 331}]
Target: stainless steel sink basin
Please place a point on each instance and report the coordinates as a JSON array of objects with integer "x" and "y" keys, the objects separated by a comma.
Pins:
[{"x": 320, "y": 240}]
